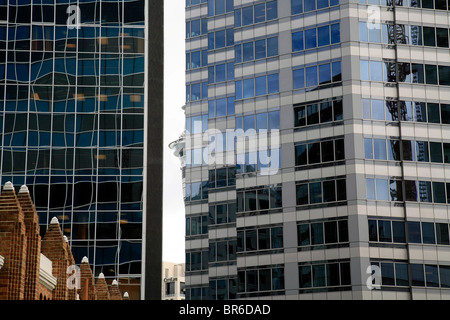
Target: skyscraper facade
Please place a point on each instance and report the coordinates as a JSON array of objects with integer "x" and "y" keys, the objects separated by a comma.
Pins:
[
  {"x": 315, "y": 156},
  {"x": 75, "y": 102}
]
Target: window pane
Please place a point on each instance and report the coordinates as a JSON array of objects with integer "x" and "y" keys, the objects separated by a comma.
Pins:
[
  {"x": 323, "y": 34},
  {"x": 310, "y": 37},
  {"x": 305, "y": 277},
  {"x": 260, "y": 85},
  {"x": 302, "y": 194},
  {"x": 442, "y": 233},
  {"x": 325, "y": 73},
  {"x": 439, "y": 192},
  {"x": 417, "y": 275},
  {"x": 401, "y": 274},
  {"x": 436, "y": 152},
  {"x": 379, "y": 147},
  {"x": 370, "y": 189},
  {"x": 273, "y": 83},
  {"x": 332, "y": 274},
  {"x": 247, "y": 15},
  {"x": 444, "y": 272},
  {"x": 429, "y": 36},
  {"x": 297, "y": 41},
  {"x": 442, "y": 37},
  {"x": 387, "y": 274},
  {"x": 311, "y": 76},
  {"x": 272, "y": 46},
  {"x": 425, "y": 191},
  {"x": 428, "y": 232},
  {"x": 431, "y": 74},
  {"x": 433, "y": 112},
  {"x": 319, "y": 275},
  {"x": 384, "y": 231},
  {"x": 300, "y": 155},
  {"x": 249, "y": 88},
  {"x": 398, "y": 231},
  {"x": 303, "y": 235},
  {"x": 432, "y": 276},
  {"x": 316, "y": 233},
  {"x": 260, "y": 12},
  {"x": 260, "y": 49},
  {"x": 329, "y": 191},
  {"x": 414, "y": 235},
  {"x": 331, "y": 235},
  {"x": 299, "y": 78},
  {"x": 272, "y": 10}
]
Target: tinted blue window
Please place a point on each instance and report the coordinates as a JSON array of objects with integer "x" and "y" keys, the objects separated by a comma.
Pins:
[
  {"x": 238, "y": 89},
  {"x": 237, "y": 18},
  {"x": 261, "y": 121},
  {"x": 219, "y": 6},
  {"x": 310, "y": 5},
  {"x": 204, "y": 90},
  {"x": 230, "y": 37},
  {"x": 249, "y": 88},
  {"x": 379, "y": 146},
  {"x": 376, "y": 71},
  {"x": 260, "y": 49},
  {"x": 382, "y": 189},
  {"x": 272, "y": 46},
  {"x": 211, "y": 74},
  {"x": 211, "y": 109},
  {"x": 425, "y": 191},
  {"x": 335, "y": 33},
  {"x": 273, "y": 83},
  {"x": 322, "y": 4},
  {"x": 238, "y": 53},
  {"x": 272, "y": 10},
  {"x": 230, "y": 105},
  {"x": 311, "y": 76},
  {"x": 370, "y": 189},
  {"x": 310, "y": 39},
  {"x": 260, "y": 85},
  {"x": 249, "y": 122},
  {"x": 195, "y": 28},
  {"x": 363, "y": 31},
  {"x": 297, "y": 41},
  {"x": 220, "y": 39},
  {"x": 195, "y": 60},
  {"x": 296, "y": 6},
  {"x": 323, "y": 34},
  {"x": 195, "y": 92},
  {"x": 211, "y": 41},
  {"x": 247, "y": 16},
  {"x": 230, "y": 5},
  {"x": 378, "y": 109},
  {"x": 334, "y": 2},
  {"x": 365, "y": 70},
  {"x": 260, "y": 12},
  {"x": 230, "y": 71},
  {"x": 248, "y": 51},
  {"x": 299, "y": 78},
  {"x": 220, "y": 73},
  {"x": 368, "y": 149},
  {"x": 274, "y": 120},
  {"x": 221, "y": 107},
  {"x": 324, "y": 73},
  {"x": 428, "y": 233}
]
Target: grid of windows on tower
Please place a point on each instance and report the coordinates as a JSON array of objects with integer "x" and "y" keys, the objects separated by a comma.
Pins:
[{"x": 72, "y": 121}]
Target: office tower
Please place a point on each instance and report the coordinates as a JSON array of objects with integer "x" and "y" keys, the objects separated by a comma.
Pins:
[
  {"x": 79, "y": 82},
  {"x": 354, "y": 203}
]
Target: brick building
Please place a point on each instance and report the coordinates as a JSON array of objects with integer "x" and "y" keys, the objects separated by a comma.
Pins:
[{"x": 32, "y": 268}]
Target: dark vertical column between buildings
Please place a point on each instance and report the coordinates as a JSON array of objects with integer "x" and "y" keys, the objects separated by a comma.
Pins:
[{"x": 154, "y": 179}]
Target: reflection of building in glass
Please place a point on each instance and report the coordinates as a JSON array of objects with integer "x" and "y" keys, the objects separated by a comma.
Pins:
[
  {"x": 74, "y": 96},
  {"x": 358, "y": 92}
]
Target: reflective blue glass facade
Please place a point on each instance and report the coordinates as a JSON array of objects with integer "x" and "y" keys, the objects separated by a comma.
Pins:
[{"x": 72, "y": 94}]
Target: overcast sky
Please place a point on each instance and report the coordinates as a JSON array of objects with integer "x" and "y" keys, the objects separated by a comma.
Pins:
[{"x": 174, "y": 99}]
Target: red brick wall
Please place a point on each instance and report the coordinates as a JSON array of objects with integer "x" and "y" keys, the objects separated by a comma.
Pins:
[
  {"x": 21, "y": 246},
  {"x": 13, "y": 246}
]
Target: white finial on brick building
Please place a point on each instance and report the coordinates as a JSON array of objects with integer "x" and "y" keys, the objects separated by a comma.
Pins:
[
  {"x": 24, "y": 189},
  {"x": 85, "y": 260},
  {"x": 66, "y": 239},
  {"x": 126, "y": 296},
  {"x": 114, "y": 283},
  {"x": 54, "y": 220},
  {"x": 101, "y": 275},
  {"x": 8, "y": 186}
]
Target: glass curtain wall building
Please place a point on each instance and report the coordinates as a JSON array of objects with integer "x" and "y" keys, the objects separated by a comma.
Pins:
[
  {"x": 74, "y": 108},
  {"x": 345, "y": 192}
]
